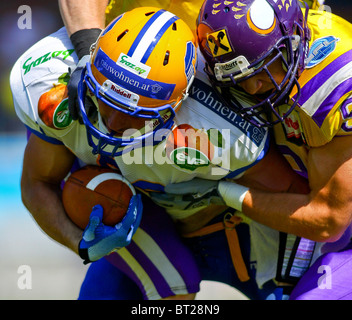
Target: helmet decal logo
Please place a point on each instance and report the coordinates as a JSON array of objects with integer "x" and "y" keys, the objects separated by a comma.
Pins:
[
  {"x": 119, "y": 93},
  {"x": 261, "y": 17},
  {"x": 190, "y": 61},
  {"x": 240, "y": 7},
  {"x": 155, "y": 88},
  {"x": 285, "y": 4},
  {"x": 135, "y": 67},
  {"x": 131, "y": 81},
  {"x": 218, "y": 43}
]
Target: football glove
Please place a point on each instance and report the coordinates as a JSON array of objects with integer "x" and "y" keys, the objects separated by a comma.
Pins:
[
  {"x": 99, "y": 240},
  {"x": 189, "y": 195},
  {"x": 198, "y": 193}
]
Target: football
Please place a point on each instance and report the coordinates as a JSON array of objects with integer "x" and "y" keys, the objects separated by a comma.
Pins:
[{"x": 92, "y": 185}]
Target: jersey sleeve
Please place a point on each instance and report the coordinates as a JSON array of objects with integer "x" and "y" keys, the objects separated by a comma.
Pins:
[{"x": 38, "y": 83}]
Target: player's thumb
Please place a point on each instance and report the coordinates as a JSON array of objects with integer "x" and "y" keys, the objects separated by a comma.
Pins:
[
  {"x": 95, "y": 219},
  {"x": 131, "y": 213}
]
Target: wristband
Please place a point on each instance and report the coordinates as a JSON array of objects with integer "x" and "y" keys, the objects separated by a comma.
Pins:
[
  {"x": 232, "y": 193},
  {"x": 83, "y": 39}
]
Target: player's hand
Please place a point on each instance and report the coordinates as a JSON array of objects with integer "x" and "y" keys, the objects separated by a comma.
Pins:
[
  {"x": 72, "y": 86},
  {"x": 189, "y": 195},
  {"x": 99, "y": 240}
]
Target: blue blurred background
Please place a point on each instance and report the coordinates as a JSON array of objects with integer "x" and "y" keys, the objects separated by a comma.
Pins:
[{"x": 53, "y": 271}]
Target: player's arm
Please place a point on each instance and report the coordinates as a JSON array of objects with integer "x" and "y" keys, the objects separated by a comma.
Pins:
[
  {"x": 274, "y": 174},
  {"x": 45, "y": 165},
  {"x": 278, "y": 198},
  {"x": 271, "y": 174},
  {"x": 324, "y": 213},
  {"x": 78, "y": 15},
  {"x": 84, "y": 22}
]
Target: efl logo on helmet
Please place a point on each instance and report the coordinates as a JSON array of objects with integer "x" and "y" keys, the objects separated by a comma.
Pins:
[{"x": 218, "y": 43}]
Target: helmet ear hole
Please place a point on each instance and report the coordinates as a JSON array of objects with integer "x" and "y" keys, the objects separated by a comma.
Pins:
[
  {"x": 149, "y": 13},
  {"x": 174, "y": 26}
]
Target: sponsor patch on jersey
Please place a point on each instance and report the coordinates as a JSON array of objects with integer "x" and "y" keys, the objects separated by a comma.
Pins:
[
  {"x": 292, "y": 126},
  {"x": 53, "y": 107},
  {"x": 133, "y": 66},
  {"x": 320, "y": 50},
  {"x": 189, "y": 158},
  {"x": 32, "y": 62},
  {"x": 218, "y": 43},
  {"x": 190, "y": 148},
  {"x": 62, "y": 117},
  {"x": 206, "y": 95}
]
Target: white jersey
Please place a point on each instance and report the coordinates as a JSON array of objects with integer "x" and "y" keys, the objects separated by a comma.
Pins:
[{"x": 38, "y": 82}]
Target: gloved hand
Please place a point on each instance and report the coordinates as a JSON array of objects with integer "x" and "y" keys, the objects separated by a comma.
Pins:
[
  {"x": 201, "y": 192},
  {"x": 75, "y": 78},
  {"x": 189, "y": 195},
  {"x": 99, "y": 240}
]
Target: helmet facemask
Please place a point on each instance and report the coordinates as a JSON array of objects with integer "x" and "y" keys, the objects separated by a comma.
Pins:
[{"x": 264, "y": 112}]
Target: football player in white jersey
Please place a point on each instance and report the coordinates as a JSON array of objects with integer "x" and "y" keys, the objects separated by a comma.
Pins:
[{"x": 139, "y": 77}]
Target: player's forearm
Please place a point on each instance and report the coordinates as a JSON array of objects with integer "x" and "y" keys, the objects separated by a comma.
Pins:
[
  {"x": 43, "y": 201},
  {"x": 299, "y": 214},
  {"x": 78, "y": 15}
]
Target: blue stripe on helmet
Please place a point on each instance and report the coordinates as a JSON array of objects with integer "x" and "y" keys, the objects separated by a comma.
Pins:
[
  {"x": 143, "y": 31},
  {"x": 157, "y": 38}
]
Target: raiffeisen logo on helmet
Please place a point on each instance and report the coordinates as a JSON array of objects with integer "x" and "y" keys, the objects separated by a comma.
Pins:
[
  {"x": 135, "y": 67},
  {"x": 218, "y": 43}
]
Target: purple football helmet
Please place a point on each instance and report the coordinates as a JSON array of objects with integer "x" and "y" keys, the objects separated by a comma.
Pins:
[{"x": 240, "y": 39}]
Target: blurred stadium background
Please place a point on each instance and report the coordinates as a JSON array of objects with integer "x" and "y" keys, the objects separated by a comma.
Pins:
[{"x": 54, "y": 271}]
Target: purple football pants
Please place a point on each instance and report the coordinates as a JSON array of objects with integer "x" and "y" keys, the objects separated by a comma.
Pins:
[{"x": 329, "y": 278}]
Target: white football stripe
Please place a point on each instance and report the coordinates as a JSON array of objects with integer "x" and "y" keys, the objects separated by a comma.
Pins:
[
  {"x": 315, "y": 101},
  {"x": 149, "y": 36},
  {"x": 156, "y": 255},
  {"x": 92, "y": 184}
]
